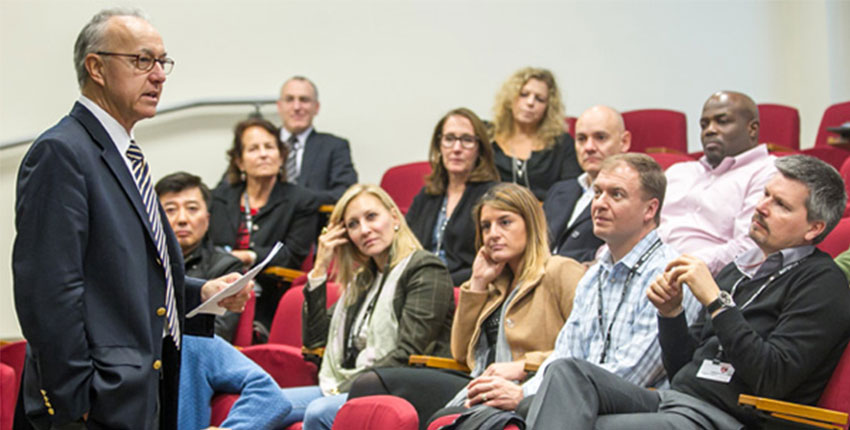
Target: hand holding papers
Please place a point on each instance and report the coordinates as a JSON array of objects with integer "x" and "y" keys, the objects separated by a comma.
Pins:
[{"x": 210, "y": 306}]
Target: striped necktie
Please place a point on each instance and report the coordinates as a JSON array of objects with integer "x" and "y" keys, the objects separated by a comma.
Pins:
[
  {"x": 292, "y": 159},
  {"x": 141, "y": 172}
]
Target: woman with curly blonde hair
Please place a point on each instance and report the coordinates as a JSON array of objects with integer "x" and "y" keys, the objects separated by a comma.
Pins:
[{"x": 530, "y": 145}]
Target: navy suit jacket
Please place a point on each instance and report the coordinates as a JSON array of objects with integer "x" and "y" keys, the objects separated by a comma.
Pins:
[
  {"x": 326, "y": 167},
  {"x": 89, "y": 286},
  {"x": 577, "y": 241}
]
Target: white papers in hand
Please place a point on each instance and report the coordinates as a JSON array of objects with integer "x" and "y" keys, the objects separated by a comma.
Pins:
[{"x": 210, "y": 306}]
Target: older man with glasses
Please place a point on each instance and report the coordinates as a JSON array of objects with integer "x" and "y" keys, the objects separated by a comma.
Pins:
[{"x": 99, "y": 285}]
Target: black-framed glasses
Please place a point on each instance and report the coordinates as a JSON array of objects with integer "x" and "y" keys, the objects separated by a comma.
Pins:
[
  {"x": 144, "y": 62},
  {"x": 467, "y": 141}
]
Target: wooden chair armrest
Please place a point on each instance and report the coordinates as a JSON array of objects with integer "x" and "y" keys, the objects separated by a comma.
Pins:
[
  {"x": 775, "y": 147},
  {"x": 285, "y": 273},
  {"x": 326, "y": 209},
  {"x": 662, "y": 149},
  {"x": 818, "y": 417},
  {"x": 315, "y": 352},
  {"x": 530, "y": 367},
  {"x": 437, "y": 363}
]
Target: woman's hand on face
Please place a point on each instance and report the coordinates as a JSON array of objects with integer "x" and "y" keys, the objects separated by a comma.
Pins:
[
  {"x": 484, "y": 270},
  {"x": 330, "y": 239}
]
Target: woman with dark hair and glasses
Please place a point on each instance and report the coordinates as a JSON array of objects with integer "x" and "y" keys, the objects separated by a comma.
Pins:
[
  {"x": 258, "y": 208},
  {"x": 462, "y": 170}
]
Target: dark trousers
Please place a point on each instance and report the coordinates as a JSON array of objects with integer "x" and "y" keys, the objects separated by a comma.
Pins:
[{"x": 576, "y": 394}]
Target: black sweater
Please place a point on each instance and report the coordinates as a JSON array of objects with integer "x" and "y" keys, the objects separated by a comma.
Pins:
[{"x": 784, "y": 345}]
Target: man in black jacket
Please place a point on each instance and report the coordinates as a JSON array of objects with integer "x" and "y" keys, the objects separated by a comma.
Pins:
[
  {"x": 600, "y": 133},
  {"x": 185, "y": 200},
  {"x": 775, "y": 324}
]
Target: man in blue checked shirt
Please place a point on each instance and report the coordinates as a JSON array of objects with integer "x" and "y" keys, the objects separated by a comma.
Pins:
[{"x": 613, "y": 324}]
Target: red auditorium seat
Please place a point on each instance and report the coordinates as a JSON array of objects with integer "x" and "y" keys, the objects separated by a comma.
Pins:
[
  {"x": 657, "y": 130},
  {"x": 8, "y": 396},
  {"x": 845, "y": 174},
  {"x": 245, "y": 327},
  {"x": 282, "y": 357},
  {"x": 377, "y": 412},
  {"x": 403, "y": 182},
  {"x": 838, "y": 240},
  {"x": 448, "y": 419},
  {"x": 834, "y": 116},
  {"x": 571, "y": 125},
  {"x": 779, "y": 127}
]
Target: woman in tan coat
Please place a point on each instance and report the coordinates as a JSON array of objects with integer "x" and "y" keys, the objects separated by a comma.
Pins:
[{"x": 508, "y": 313}]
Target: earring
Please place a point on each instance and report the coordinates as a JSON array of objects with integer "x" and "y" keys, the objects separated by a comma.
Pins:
[
  {"x": 243, "y": 176},
  {"x": 395, "y": 227}
]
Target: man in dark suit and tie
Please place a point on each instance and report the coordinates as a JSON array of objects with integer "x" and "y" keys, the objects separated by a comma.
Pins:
[
  {"x": 600, "y": 133},
  {"x": 319, "y": 162},
  {"x": 99, "y": 285}
]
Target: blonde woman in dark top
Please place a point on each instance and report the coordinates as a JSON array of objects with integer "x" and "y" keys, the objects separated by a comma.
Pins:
[
  {"x": 462, "y": 170},
  {"x": 530, "y": 143}
]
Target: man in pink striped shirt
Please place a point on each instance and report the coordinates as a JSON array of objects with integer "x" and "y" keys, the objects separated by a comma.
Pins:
[{"x": 710, "y": 202}]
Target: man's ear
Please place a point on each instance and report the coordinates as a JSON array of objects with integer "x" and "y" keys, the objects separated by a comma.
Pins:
[
  {"x": 815, "y": 229},
  {"x": 95, "y": 68},
  {"x": 651, "y": 210},
  {"x": 626, "y": 141}
]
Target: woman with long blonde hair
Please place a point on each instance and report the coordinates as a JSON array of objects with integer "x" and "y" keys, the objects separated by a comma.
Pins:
[
  {"x": 530, "y": 143},
  {"x": 396, "y": 300}
]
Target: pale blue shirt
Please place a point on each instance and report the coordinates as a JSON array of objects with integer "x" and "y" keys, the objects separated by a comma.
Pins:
[{"x": 634, "y": 352}]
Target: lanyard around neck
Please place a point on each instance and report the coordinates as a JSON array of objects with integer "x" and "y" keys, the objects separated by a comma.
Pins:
[
  {"x": 248, "y": 219},
  {"x": 775, "y": 275},
  {"x": 600, "y": 315}
]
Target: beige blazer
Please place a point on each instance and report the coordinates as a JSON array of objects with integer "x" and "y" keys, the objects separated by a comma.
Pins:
[{"x": 532, "y": 320}]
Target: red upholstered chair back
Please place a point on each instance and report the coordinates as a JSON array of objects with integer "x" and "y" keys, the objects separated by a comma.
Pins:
[
  {"x": 8, "y": 396},
  {"x": 779, "y": 125},
  {"x": 836, "y": 395},
  {"x": 448, "y": 419},
  {"x": 571, "y": 125},
  {"x": 667, "y": 159},
  {"x": 377, "y": 412},
  {"x": 845, "y": 174},
  {"x": 13, "y": 355},
  {"x": 838, "y": 240},
  {"x": 834, "y": 116},
  {"x": 403, "y": 182},
  {"x": 286, "y": 325},
  {"x": 245, "y": 327},
  {"x": 657, "y": 128}
]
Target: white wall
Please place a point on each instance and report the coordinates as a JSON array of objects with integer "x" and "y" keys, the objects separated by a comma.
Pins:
[{"x": 387, "y": 70}]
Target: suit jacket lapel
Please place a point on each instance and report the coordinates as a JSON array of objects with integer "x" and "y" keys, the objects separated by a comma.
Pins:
[
  {"x": 574, "y": 195},
  {"x": 309, "y": 158},
  {"x": 114, "y": 161}
]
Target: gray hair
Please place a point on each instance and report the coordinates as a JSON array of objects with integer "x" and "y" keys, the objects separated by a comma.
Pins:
[
  {"x": 303, "y": 79},
  {"x": 91, "y": 38},
  {"x": 827, "y": 197}
]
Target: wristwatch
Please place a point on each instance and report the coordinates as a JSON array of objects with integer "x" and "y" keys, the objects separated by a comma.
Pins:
[{"x": 723, "y": 300}]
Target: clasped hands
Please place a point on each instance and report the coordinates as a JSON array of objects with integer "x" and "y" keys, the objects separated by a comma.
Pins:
[{"x": 666, "y": 291}]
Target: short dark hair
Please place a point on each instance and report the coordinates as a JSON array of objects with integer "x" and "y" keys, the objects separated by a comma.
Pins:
[
  {"x": 179, "y": 181},
  {"x": 653, "y": 183},
  {"x": 234, "y": 176},
  {"x": 827, "y": 196}
]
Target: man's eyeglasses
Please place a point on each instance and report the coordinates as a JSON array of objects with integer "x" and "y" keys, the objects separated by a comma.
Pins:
[
  {"x": 467, "y": 141},
  {"x": 144, "y": 62}
]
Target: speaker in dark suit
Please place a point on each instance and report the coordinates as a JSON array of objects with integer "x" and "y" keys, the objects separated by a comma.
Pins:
[{"x": 92, "y": 257}]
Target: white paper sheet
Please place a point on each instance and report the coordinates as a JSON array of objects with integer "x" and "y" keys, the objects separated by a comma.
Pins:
[{"x": 211, "y": 305}]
